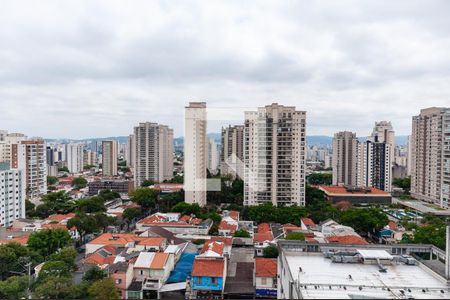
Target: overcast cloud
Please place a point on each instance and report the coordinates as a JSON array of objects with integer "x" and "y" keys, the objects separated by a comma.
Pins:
[{"x": 96, "y": 68}]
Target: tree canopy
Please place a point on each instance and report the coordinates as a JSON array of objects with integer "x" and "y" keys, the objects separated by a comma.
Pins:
[
  {"x": 270, "y": 251},
  {"x": 241, "y": 233},
  {"x": 103, "y": 289},
  {"x": 48, "y": 241},
  {"x": 145, "y": 197},
  {"x": 295, "y": 236},
  {"x": 79, "y": 182},
  {"x": 279, "y": 214},
  {"x": 320, "y": 178},
  {"x": 365, "y": 220}
]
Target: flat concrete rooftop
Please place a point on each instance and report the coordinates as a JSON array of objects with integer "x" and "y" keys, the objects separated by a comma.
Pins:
[{"x": 320, "y": 278}]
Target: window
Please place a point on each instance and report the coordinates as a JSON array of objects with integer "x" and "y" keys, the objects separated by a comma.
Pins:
[
  {"x": 214, "y": 280},
  {"x": 118, "y": 281},
  {"x": 263, "y": 280}
]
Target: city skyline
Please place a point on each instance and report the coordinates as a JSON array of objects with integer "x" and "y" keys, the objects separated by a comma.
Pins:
[{"x": 97, "y": 69}]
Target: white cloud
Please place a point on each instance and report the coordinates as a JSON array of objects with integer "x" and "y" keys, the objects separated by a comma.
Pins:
[{"x": 96, "y": 68}]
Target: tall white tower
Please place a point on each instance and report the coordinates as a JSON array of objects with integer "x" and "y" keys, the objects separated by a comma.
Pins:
[{"x": 195, "y": 153}]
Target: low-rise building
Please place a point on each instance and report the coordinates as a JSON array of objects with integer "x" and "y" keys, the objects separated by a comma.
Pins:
[
  {"x": 327, "y": 271},
  {"x": 265, "y": 278},
  {"x": 208, "y": 277},
  {"x": 118, "y": 186},
  {"x": 356, "y": 195},
  {"x": 176, "y": 224},
  {"x": 129, "y": 240},
  {"x": 262, "y": 238}
]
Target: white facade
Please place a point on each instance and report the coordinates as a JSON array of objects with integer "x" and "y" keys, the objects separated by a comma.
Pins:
[
  {"x": 213, "y": 156},
  {"x": 374, "y": 165},
  {"x": 195, "y": 153},
  {"x": 12, "y": 196},
  {"x": 153, "y": 152},
  {"x": 74, "y": 158},
  {"x": 232, "y": 154},
  {"x": 274, "y": 155}
]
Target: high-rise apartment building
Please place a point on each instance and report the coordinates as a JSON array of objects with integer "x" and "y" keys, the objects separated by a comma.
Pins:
[
  {"x": 12, "y": 195},
  {"x": 274, "y": 155},
  {"x": 30, "y": 155},
  {"x": 195, "y": 153},
  {"x": 345, "y": 158},
  {"x": 232, "y": 155},
  {"x": 74, "y": 157},
  {"x": 430, "y": 156},
  {"x": 374, "y": 165},
  {"x": 109, "y": 157},
  {"x": 130, "y": 151},
  {"x": 89, "y": 158},
  {"x": 213, "y": 156},
  {"x": 153, "y": 153}
]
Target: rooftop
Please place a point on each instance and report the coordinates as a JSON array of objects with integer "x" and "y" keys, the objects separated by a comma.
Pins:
[
  {"x": 334, "y": 190},
  {"x": 208, "y": 267},
  {"x": 265, "y": 267},
  {"x": 321, "y": 278}
]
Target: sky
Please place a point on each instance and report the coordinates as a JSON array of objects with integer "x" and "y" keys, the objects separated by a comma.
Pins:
[{"x": 79, "y": 69}]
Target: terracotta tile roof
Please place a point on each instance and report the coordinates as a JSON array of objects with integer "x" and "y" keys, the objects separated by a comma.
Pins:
[
  {"x": 347, "y": 239},
  {"x": 185, "y": 218},
  {"x": 60, "y": 217},
  {"x": 116, "y": 239},
  {"x": 234, "y": 215},
  {"x": 392, "y": 225},
  {"x": 151, "y": 241},
  {"x": 265, "y": 267},
  {"x": 308, "y": 222},
  {"x": 263, "y": 227},
  {"x": 263, "y": 236},
  {"x": 159, "y": 260},
  {"x": 341, "y": 190},
  {"x": 224, "y": 225},
  {"x": 23, "y": 240},
  {"x": 208, "y": 267},
  {"x": 97, "y": 259},
  {"x": 290, "y": 226},
  {"x": 54, "y": 226},
  {"x": 196, "y": 221},
  {"x": 215, "y": 246},
  {"x": 228, "y": 241}
]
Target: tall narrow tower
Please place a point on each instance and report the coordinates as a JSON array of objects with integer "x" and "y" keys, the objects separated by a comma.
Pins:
[{"x": 195, "y": 153}]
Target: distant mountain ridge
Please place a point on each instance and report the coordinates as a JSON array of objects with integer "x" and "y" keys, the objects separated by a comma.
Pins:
[{"x": 311, "y": 140}]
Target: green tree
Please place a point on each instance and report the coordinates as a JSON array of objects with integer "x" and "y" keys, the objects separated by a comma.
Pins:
[
  {"x": 51, "y": 180},
  {"x": 404, "y": 183},
  {"x": 54, "y": 268},
  {"x": 132, "y": 213},
  {"x": 108, "y": 195},
  {"x": 66, "y": 255},
  {"x": 147, "y": 183},
  {"x": 93, "y": 274},
  {"x": 270, "y": 251},
  {"x": 63, "y": 169},
  {"x": 187, "y": 209},
  {"x": 13, "y": 256},
  {"x": 48, "y": 241},
  {"x": 29, "y": 208},
  {"x": 295, "y": 236},
  {"x": 84, "y": 223},
  {"x": 56, "y": 203},
  {"x": 91, "y": 205},
  {"x": 103, "y": 289},
  {"x": 14, "y": 287},
  {"x": 241, "y": 233},
  {"x": 145, "y": 197},
  {"x": 177, "y": 179},
  {"x": 318, "y": 207},
  {"x": 54, "y": 287},
  {"x": 320, "y": 178},
  {"x": 79, "y": 183},
  {"x": 365, "y": 220}
]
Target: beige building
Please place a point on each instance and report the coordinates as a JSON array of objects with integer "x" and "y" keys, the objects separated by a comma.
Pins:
[
  {"x": 195, "y": 153},
  {"x": 109, "y": 157},
  {"x": 274, "y": 155},
  {"x": 232, "y": 156},
  {"x": 74, "y": 157},
  {"x": 153, "y": 153},
  {"x": 345, "y": 158},
  {"x": 430, "y": 155},
  {"x": 130, "y": 150}
]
